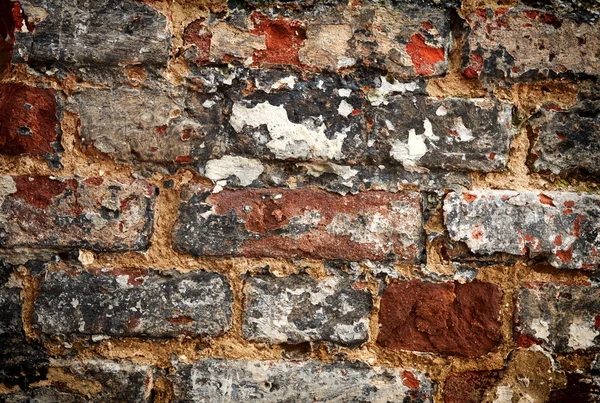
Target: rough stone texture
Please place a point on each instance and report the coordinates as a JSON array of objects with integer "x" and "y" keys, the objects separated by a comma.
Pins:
[
  {"x": 583, "y": 10},
  {"x": 560, "y": 317},
  {"x": 521, "y": 42},
  {"x": 299, "y": 223},
  {"x": 561, "y": 226},
  {"x": 444, "y": 318},
  {"x": 29, "y": 121},
  {"x": 94, "y": 213},
  {"x": 278, "y": 381},
  {"x": 567, "y": 142},
  {"x": 299, "y": 308},
  {"x": 88, "y": 39},
  {"x": 581, "y": 387},
  {"x": 469, "y": 387},
  {"x": 10, "y": 303},
  {"x": 134, "y": 302},
  {"x": 91, "y": 380},
  {"x": 408, "y": 41}
]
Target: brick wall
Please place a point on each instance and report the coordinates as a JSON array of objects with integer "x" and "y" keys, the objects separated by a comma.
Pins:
[{"x": 269, "y": 200}]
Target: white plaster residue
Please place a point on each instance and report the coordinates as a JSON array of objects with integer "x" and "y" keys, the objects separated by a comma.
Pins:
[
  {"x": 441, "y": 111},
  {"x": 219, "y": 186},
  {"x": 464, "y": 133},
  {"x": 352, "y": 333},
  {"x": 317, "y": 169},
  {"x": 504, "y": 394},
  {"x": 326, "y": 288},
  {"x": 581, "y": 335},
  {"x": 389, "y": 125},
  {"x": 74, "y": 303},
  {"x": 411, "y": 152},
  {"x": 428, "y": 133},
  {"x": 208, "y": 104},
  {"x": 345, "y": 108},
  {"x": 345, "y": 61},
  {"x": 289, "y": 82},
  {"x": 123, "y": 280},
  {"x": 378, "y": 96},
  {"x": 245, "y": 169},
  {"x": 344, "y": 92},
  {"x": 288, "y": 140},
  {"x": 541, "y": 329}
]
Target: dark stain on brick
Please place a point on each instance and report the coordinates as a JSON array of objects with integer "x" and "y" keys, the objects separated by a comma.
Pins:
[{"x": 445, "y": 318}]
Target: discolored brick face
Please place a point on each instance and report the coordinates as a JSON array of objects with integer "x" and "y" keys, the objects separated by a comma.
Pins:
[
  {"x": 29, "y": 120},
  {"x": 95, "y": 213},
  {"x": 300, "y": 223},
  {"x": 444, "y": 318}
]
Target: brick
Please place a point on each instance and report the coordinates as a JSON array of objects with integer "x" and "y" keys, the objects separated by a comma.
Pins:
[
  {"x": 90, "y": 39},
  {"x": 281, "y": 115},
  {"x": 29, "y": 120},
  {"x": 305, "y": 223},
  {"x": 445, "y": 318},
  {"x": 567, "y": 142},
  {"x": 473, "y": 135},
  {"x": 299, "y": 308},
  {"x": 322, "y": 37},
  {"x": 561, "y": 317},
  {"x": 521, "y": 42},
  {"x": 277, "y": 381},
  {"x": 133, "y": 302},
  {"x": 559, "y": 226},
  {"x": 95, "y": 213},
  {"x": 90, "y": 380}
]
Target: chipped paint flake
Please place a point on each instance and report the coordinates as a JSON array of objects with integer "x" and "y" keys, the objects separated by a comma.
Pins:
[
  {"x": 288, "y": 140},
  {"x": 247, "y": 170}
]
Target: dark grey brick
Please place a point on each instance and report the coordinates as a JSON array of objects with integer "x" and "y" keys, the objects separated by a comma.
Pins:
[
  {"x": 135, "y": 302},
  {"x": 560, "y": 317}
]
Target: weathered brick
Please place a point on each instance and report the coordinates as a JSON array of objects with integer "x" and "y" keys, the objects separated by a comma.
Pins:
[
  {"x": 581, "y": 387},
  {"x": 299, "y": 308},
  {"x": 94, "y": 213},
  {"x": 90, "y": 380},
  {"x": 521, "y": 42},
  {"x": 88, "y": 39},
  {"x": 461, "y": 134},
  {"x": 283, "y": 115},
  {"x": 29, "y": 120},
  {"x": 561, "y": 317},
  {"x": 327, "y": 38},
  {"x": 133, "y": 302},
  {"x": 278, "y": 381},
  {"x": 561, "y": 226},
  {"x": 299, "y": 223},
  {"x": 567, "y": 142},
  {"x": 446, "y": 318}
]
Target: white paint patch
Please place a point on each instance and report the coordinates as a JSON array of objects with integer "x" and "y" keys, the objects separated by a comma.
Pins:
[
  {"x": 411, "y": 152},
  {"x": 344, "y": 92},
  {"x": 219, "y": 186},
  {"x": 345, "y": 61},
  {"x": 288, "y": 140},
  {"x": 389, "y": 125},
  {"x": 123, "y": 280},
  {"x": 289, "y": 82},
  {"x": 378, "y": 96},
  {"x": 504, "y": 394},
  {"x": 464, "y": 133},
  {"x": 208, "y": 104},
  {"x": 345, "y": 108},
  {"x": 245, "y": 169},
  {"x": 541, "y": 329},
  {"x": 317, "y": 169},
  {"x": 581, "y": 336},
  {"x": 429, "y": 130},
  {"x": 441, "y": 111}
]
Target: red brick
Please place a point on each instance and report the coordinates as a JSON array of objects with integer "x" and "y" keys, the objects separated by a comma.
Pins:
[
  {"x": 305, "y": 223},
  {"x": 29, "y": 120},
  {"x": 469, "y": 387},
  {"x": 446, "y": 318}
]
